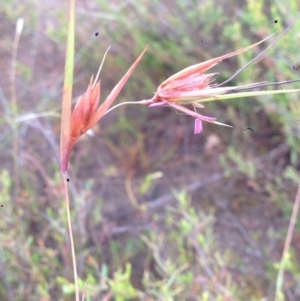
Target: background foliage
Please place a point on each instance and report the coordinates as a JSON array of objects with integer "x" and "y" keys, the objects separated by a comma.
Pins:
[{"x": 159, "y": 214}]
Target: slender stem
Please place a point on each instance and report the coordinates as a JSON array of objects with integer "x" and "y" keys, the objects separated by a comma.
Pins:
[
  {"x": 65, "y": 135},
  {"x": 14, "y": 106},
  {"x": 141, "y": 102},
  {"x": 287, "y": 245},
  {"x": 66, "y": 127},
  {"x": 264, "y": 84},
  {"x": 71, "y": 240}
]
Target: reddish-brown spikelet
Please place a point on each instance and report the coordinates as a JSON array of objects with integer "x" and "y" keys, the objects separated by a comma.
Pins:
[
  {"x": 87, "y": 113},
  {"x": 84, "y": 111},
  {"x": 192, "y": 82},
  {"x": 192, "y": 86}
]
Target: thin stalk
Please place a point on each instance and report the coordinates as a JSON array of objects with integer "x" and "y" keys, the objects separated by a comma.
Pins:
[
  {"x": 66, "y": 127},
  {"x": 71, "y": 240},
  {"x": 65, "y": 134},
  {"x": 264, "y": 84},
  {"x": 141, "y": 102},
  {"x": 14, "y": 106},
  {"x": 285, "y": 254}
]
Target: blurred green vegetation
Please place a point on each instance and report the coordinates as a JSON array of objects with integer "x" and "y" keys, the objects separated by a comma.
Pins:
[{"x": 222, "y": 241}]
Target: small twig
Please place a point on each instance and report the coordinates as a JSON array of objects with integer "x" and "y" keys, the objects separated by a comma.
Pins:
[
  {"x": 129, "y": 190},
  {"x": 130, "y": 193}
]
